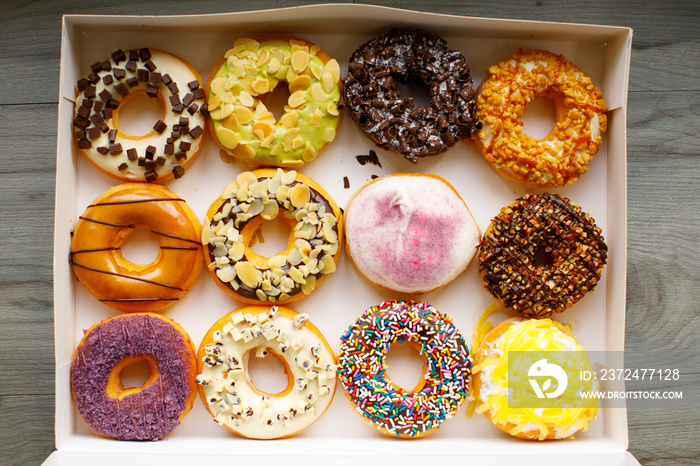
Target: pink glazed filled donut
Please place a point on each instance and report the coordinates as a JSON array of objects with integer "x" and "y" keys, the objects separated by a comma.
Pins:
[{"x": 410, "y": 233}]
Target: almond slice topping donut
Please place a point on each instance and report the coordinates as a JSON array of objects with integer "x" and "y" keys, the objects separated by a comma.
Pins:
[{"x": 563, "y": 155}]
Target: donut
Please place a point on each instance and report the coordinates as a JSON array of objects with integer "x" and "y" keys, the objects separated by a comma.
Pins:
[
  {"x": 313, "y": 249},
  {"x": 580, "y": 121},
  {"x": 175, "y": 140},
  {"x": 541, "y": 254},
  {"x": 534, "y": 420},
  {"x": 393, "y": 410},
  {"x": 410, "y": 233},
  {"x": 236, "y": 91},
  {"x": 151, "y": 411},
  {"x": 225, "y": 385},
  {"x": 97, "y": 261},
  {"x": 393, "y": 121}
]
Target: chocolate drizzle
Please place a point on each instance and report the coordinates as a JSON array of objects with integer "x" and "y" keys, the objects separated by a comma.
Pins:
[
  {"x": 393, "y": 121},
  {"x": 574, "y": 249}
]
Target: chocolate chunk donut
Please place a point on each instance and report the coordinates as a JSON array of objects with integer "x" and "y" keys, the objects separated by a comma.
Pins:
[{"x": 393, "y": 121}]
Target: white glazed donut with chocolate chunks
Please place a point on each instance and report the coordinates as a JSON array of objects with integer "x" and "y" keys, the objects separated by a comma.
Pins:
[
  {"x": 231, "y": 397},
  {"x": 175, "y": 140}
]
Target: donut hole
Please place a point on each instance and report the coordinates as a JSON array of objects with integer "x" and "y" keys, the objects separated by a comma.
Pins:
[
  {"x": 405, "y": 366},
  {"x": 141, "y": 246},
  {"x": 271, "y": 238},
  {"x": 539, "y": 117},
  {"x": 135, "y": 375},
  {"x": 542, "y": 256},
  {"x": 137, "y": 114},
  {"x": 276, "y": 100},
  {"x": 420, "y": 93},
  {"x": 268, "y": 374}
]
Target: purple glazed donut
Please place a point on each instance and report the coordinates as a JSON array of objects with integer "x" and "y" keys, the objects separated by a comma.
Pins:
[{"x": 148, "y": 412}]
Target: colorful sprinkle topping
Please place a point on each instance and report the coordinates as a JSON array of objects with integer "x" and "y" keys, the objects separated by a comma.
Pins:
[{"x": 362, "y": 368}]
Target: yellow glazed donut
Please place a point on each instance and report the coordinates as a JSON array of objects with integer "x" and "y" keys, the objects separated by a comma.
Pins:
[
  {"x": 104, "y": 227},
  {"x": 490, "y": 379},
  {"x": 563, "y": 155},
  {"x": 230, "y": 395},
  {"x": 176, "y": 138},
  {"x": 254, "y": 67},
  {"x": 313, "y": 249}
]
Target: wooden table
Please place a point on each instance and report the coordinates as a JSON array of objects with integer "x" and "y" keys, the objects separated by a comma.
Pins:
[{"x": 663, "y": 203}]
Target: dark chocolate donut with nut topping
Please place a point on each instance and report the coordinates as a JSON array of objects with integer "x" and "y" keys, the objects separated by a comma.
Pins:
[
  {"x": 541, "y": 254},
  {"x": 393, "y": 121}
]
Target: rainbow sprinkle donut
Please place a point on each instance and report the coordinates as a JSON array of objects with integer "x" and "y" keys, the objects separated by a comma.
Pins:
[{"x": 442, "y": 388}]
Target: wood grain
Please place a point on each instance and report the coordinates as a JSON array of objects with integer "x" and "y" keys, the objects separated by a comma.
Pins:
[{"x": 663, "y": 181}]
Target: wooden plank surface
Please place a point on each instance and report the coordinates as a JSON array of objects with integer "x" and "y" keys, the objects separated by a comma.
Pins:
[{"x": 663, "y": 177}]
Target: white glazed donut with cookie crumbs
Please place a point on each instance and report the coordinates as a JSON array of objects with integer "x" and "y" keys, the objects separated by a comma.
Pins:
[
  {"x": 256, "y": 331},
  {"x": 175, "y": 139}
]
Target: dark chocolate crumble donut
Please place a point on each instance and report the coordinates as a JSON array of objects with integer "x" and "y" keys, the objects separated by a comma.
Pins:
[
  {"x": 541, "y": 254},
  {"x": 393, "y": 121}
]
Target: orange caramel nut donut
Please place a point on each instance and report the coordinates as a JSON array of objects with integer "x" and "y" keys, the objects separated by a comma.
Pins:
[
  {"x": 106, "y": 224},
  {"x": 541, "y": 254},
  {"x": 563, "y": 155},
  {"x": 175, "y": 140},
  {"x": 532, "y": 339},
  {"x": 242, "y": 79},
  {"x": 225, "y": 385},
  {"x": 313, "y": 249},
  {"x": 148, "y": 412}
]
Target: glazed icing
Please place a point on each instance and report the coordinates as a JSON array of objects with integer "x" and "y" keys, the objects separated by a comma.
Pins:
[
  {"x": 247, "y": 129},
  {"x": 410, "y": 233},
  {"x": 231, "y": 396}
]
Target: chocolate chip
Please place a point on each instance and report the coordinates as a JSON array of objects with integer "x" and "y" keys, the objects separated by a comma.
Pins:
[
  {"x": 188, "y": 99},
  {"x": 122, "y": 89},
  {"x": 198, "y": 93},
  {"x": 107, "y": 79},
  {"x": 93, "y": 78},
  {"x": 172, "y": 87},
  {"x": 196, "y": 132},
  {"x": 84, "y": 144},
  {"x": 119, "y": 73},
  {"x": 184, "y": 145},
  {"x": 132, "y": 154},
  {"x": 123, "y": 166},
  {"x": 115, "y": 149},
  {"x": 145, "y": 54},
  {"x": 150, "y": 66},
  {"x": 132, "y": 81},
  {"x": 167, "y": 80},
  {"x": 184, "y": 121},
  {"x": 169, "y": 149},
  {"x": 160, "y": 126},
  {"x": 174, "y": 100},
  {"x": 150, "y": 152},
  {"x": 151, "y": 176},
  {"x": 151, "y": 90},
  {"x": 112, "y": 135},
  {"x": 178, "y": 171},
  {"x": 192, "y": 109},
  {"x": 346, "y": 182},
  {"x": 142, "y": 75},
  {"x": 175, "y": 134},
  {"x": 134, "y": 55},
  {"x": 103, "y": 150},
  {"x": 106, "y": 65},
  {"x": 113, "y": 104},
  {"x": 371, "y": 158},
  {"x": 104, "y": 127},
  {"x": 95, "y": 67},
  {"x": 141, "y": 162},
  {"x": 179, "y": 108},
  {"x": 149, "y": 164},
  {"x": 90, "y": 92},
  {"x": 160, "y": 161},
  {"x": 105, "y": 95},
  {"x": 96, "y": 119},
  {"x": 193, "y": 85},
  {"x": 118, "y": 56},
  {"x": 94, "y": 132},
  {"x": 204, "y": 110},
  {"x": 97, "y": 107},
  {"x": 82, "y": 84},
  {"x": 80, "y": 134},
  {"x": 180, "y": 155},
  {"x": 83, "y": 112},
  {"x": 131, "y": 66},
  {"x": 108, "y": 113},
  {"x": 156, "y": 77}
]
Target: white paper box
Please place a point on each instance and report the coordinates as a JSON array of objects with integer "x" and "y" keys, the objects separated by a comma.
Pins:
[{"x": 598, "y": 320}]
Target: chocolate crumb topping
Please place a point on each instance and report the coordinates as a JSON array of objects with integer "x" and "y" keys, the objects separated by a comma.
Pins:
[{"x": 393, "y": 121}]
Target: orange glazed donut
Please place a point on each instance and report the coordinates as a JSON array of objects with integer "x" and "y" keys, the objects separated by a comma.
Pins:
[
  {"x": 563, "y": 155},
  {"x": 313, "y": 249},
  {"x": 148, "y": 412},
  {"x": 175, "y": 140},
  {"x": 106, "y": 224},
  {"x": 224, "y": 382}
]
